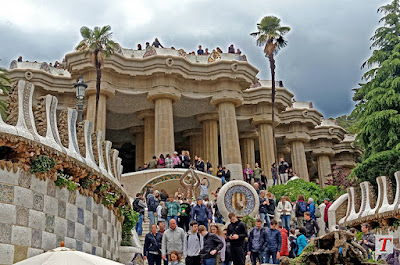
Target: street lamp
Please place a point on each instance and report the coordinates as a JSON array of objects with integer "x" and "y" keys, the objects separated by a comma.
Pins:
[{"x": 80, "y": 88}]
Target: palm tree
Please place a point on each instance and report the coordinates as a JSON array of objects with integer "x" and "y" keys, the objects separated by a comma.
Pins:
[
  {"x": 98, "y": 44},
  {"x": 270, "y": 35},
  {"x": 5, "y": 86}
]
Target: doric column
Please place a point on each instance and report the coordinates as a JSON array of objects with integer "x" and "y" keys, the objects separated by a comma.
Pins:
[
  {"x": 101, "y": 110},
  {"x": 138, "y": 131},
  {"x": 324, "y": 169},
  {"x": 247, "y": 148},
  {"x": 210, "y": 137},
  {"x": 196, "y": 142},
  {"x": 149, "y": 121},
  {"x": 299, "y": 160},
  {"x": 163, "y": 98},
  {"x": 229, "y": 135}
]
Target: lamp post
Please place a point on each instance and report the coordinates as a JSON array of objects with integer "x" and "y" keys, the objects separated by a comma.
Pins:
[{"x": 80, "y": 88}]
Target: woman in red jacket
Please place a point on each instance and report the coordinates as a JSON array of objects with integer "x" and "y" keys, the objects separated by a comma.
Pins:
[{"x": 284, "y": 245}]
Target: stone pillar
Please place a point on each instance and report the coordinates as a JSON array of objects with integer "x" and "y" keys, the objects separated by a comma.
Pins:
[
  {"x": 324, "y": 169},
  {"x": 163, "y": 98},
  {"x": 196, "y": 142},
  {"x": 230, "y": 148},
  {"x": 247, "y": 148},
  {"x": 299, "y": 160},
  {"x": 210, "y": 137},
  {"x": 149, "y": 121},
  {"x": 138, "y": 131},
  {"x": 102, "y": 106}
]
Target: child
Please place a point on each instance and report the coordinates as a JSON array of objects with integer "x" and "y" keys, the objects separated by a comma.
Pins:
[{"x": 175, "y": 258}]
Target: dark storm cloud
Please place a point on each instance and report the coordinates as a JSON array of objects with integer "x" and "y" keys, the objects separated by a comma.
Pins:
[{"x": 327, "y": 44}]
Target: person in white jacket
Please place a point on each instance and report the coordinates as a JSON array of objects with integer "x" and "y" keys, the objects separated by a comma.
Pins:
[{"x": 284, "y": 209}]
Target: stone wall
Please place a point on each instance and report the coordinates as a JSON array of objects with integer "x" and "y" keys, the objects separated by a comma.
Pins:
[{"x": 36, "y": 216}]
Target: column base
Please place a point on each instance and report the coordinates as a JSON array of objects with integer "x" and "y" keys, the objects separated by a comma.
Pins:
[{"x": 236, "y": 171}]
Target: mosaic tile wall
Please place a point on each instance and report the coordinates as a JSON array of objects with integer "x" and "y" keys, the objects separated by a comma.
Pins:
[{"x": 36, "y": 216}]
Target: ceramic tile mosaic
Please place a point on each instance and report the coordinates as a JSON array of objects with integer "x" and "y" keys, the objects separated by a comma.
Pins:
[
  {"x": 5, "y": 233},
  {"x": 24, "y": 179},
  {"x": 81, "y": 216},
  {"x": 6, "y": 193},
  {"x": 87, "y": 234},
  {"x": 36, "y": 238},
  {"x": 89, "y": 203},
  {"x": 20, "y": 253},
  {"x": 49, "y": 223},
  {"x": 94, "y": 221},
  {"x": 72, "y": 197},
  {"x": 51, "y": 189},
  {"x": 38, "y": 201},
  {"x": 22, "y": 216},
  {"x": 79, "y": 245},
  {"x": 70, "y": 229},
  {"x": 62, "y": 209}
]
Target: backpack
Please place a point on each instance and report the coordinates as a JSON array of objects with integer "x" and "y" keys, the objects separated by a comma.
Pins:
[
  {"x": 293, "y": 249},
  {"x": 187, "y": 238},
  {"x": 164, "y": 213},
  {"x": 302, "y": 207},
  {"x": 317, "y": 212},
  {"x": 135, "y": 205}
]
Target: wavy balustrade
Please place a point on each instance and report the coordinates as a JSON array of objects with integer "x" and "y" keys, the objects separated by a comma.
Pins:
[{"x": 60, "y": 141}]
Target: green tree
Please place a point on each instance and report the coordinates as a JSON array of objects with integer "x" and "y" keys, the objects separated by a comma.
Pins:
[
  {"x": 349, "y": 123},
  {"x": 98, "y": 44},
  {"x": 270, "y": 34},
  {"x": 5, "y": 86},
  {"x": 378, "y": 99}
]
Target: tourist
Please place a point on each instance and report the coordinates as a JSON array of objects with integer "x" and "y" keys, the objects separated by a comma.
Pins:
[
  {"x": 393, "y": 258},
  {"x": 311, "y": 208},
  {"x": 211, "y": 245},
  {"x": 292, "y": 243},
  {"x": 186, "y": 159},
  {"x": 220, "y": 174},
  {"x": 237, "y": 232},
  {"x": 200, "y": 213},
  {"x": 271, "y": 204},
  {"x": 139, "y": 47},
  {"x": 368, "y": 239},
  {"x": 327, "y": 205},
  {"x": 284, "y": 209},
  {"x": 50, "y": 64},
  {"x": 192, "y": 245},
  {"x": 138, "y": 206},
  {"x": 19, "y": 59},
  {"x": 152, "y": 246},
  {"x": 210, "y": 171},
  {"x": 161, "y": 162},
  {"x": 256, "y": 241},
  {"x": 228, "y": 256},
  {"x": 195, "y": 161},
  {"x": 248, "y": 174},
  {"x": 219, "y": 50},
  {"x": 178, "y": 193},
  {"x": 273, "y": 172},
  {"x": 354, "y": 232},
  {"x": 291, "y": 173},
  {"x": 184, "y": 215},
  {"x": 216, "y": 229},
  {"x": 238, "y": 52},
  {"x": 218, "y": 218},
  {"x": 157, "y": 196},
  {"x": 264, "y": 181},
  {"x": 257, "y": 187},
  {"x": 263, "y": 211},
  {"x": 145, "y": 166},
  {"x": 204, "y": 185},
  {"x": 301, "y": 208},
  {"x": 177, "y": 160},
  {"x": 206, "y": 52},
  {"x": 283, "y": 170},
  {"x": 200, "y": 51},
  {"x": 200, "y": 166},
  {"x": 147, "y": 45},
  {"x": 164, "y": 195},
  {"x": 156, "y": 43},
  {"x": 169, "y": 162},
  {"x": 301, "y": 240},
  {"x": 172, "y": 240},
  {"x": 209, "y": 166},
  {"x": 226, "y": 173},
  {"x": 311, "y": 226},
  {"x": 284, "y": 246},
  {"x": 175, "y": 258},
  {"x": 153, "y": 163},
  {"x": 162, "y": 212},
  {"x": 173, "y": 207},
  {"x": 151, "y": 207},
  {"x": 272, "y": 244},
  {"x": 257, "y": 173},
  {"x": 231, "y": 49}
]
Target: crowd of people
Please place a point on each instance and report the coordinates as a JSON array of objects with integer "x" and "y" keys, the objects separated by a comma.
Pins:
[{"x": 56, "y": 63}]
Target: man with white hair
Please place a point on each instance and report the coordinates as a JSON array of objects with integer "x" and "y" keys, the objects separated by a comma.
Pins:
[{"x": 311, "y": 208}]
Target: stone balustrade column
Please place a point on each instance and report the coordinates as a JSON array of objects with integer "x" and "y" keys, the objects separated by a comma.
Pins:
[
  {"x": 247, "y": 148},
  {"x": 163, "y": 99},
  {"x": 210, "y": 137},
  {"x": 148, "y": 138},
  {"x": 196, "y": 142},
  {"x": 138, "y": 131},
  {"x": 229, "y": 135}
]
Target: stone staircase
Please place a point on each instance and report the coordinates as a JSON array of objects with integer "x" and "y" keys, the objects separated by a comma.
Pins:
[{"x": 145, "y": 227}]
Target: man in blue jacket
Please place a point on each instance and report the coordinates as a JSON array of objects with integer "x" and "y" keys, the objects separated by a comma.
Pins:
[
  {"x": 152, "y": 246},
  {"x": 200, "y": 213},
  {"x": 257, "y": 237},
  {"x": 272, "y": 244}
]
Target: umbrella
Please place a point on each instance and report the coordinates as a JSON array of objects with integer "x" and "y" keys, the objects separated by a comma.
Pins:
[{"x": 66, "y": 256}]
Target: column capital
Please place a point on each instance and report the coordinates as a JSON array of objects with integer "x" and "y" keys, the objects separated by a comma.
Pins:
[
  {"x": 106, "y": 92},
  {"x": 164, "y": 92},
  {"x": 321, "y": 151},
  {"x": 136, "y": 129},
  {"x": 248, "y": 135},
  {"x": 207, "y": 117},
  {"x": 284, "y": 149},
  {"x": 192, "y": 132},
  {"x": 145, "y": 113},
  {"x": 265, "y": 118},
  {"x": 297, "y": 136},
  {"x": 227, "y": 96}
]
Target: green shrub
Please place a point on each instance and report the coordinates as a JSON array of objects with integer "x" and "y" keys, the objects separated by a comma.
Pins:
[
  {"x": 65, "y": 180},
  {"x": 130, "y": 220},
  {"x": 249, "y": 221},
  {"x": 42, "y": 164},
  {"x": 110, "y": 198}
]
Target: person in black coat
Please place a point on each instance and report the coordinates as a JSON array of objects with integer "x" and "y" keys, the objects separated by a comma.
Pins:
[
  {"x": 211, "y": 245},
  {"x": 237, "y": 233},
  {"x": 152, "y": 246}
]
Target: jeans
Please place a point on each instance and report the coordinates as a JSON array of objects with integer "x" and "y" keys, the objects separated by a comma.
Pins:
[
  {"x": 169, "y": 219},
  {"x": 284, "y": 178},
  {"x": 227, "y": 262},
  {"x": 154, "y": 259},
  {"x": 219, "y": 220},
  {"x": 208, "y": 261},
  {"x": 272, "y": 260},
  {"x": 138, "y": 227},
  {"x": 257, "y": 255},
  {"x": 286, "y": 222},
  {"x": 265, "y": 217},
  {"x": 203, "y": 223},
  {"x": 152, "y": 218},
  {"x": 223, "y": 180}
]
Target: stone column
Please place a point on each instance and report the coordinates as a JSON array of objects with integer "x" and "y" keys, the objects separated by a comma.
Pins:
[
  {"x": 149, "y": 121},
  {"x": 299, "y": 160},
  {"x": 138, "y": 131},
  {"x": 102, "y": 106},
  {"x": 210, "y": 137},
  {"x": 323, "y": 154},
  {"x": 196, "y": 142},
  {"x": 247, "y": 148},
  {"x": 163, "y": 98},
  {"x": 230, "y": 148}
]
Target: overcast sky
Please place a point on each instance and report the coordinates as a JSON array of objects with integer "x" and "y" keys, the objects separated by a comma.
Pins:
[{"x": 328, "y": 42}]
